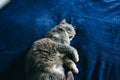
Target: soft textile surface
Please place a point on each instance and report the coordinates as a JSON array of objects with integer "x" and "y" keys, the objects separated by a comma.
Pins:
[{"x": 97, "y": 25}]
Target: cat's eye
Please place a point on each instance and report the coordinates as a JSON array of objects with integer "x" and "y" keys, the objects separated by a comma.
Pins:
[
  {"x": 68, "y": 29},
  {"x": 60, "y": 29}
]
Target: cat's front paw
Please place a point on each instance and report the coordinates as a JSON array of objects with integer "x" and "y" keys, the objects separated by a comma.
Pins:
[
  {"x": 74, "y": 68},
  {"x": 70, "y": 64},
  {"x": 75, "y": 55}
]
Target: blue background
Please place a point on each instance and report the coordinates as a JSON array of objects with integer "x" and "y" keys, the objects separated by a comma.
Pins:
[{"x": 97, "y": 25}]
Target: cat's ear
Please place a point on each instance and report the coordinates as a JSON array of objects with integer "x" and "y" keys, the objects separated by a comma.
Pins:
[{"x": 63, "y": 21}]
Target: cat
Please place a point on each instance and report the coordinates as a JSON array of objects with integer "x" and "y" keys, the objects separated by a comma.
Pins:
[{"x": 47, "y": 56}]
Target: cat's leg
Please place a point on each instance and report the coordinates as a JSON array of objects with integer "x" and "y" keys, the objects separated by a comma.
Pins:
[
  {"x": 70, "y": 76},
  {"x": 68, "y": 50},
  {"x": 70, "y": 64}
]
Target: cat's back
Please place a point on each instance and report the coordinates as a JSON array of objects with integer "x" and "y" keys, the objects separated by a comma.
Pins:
[{"x": 45, "y": 43}]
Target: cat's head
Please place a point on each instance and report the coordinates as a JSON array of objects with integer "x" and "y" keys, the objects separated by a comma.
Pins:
[
  {"x": 59, "y": 35},
  {"x": 68, "y": 28},
  {"x": 63, "y": 33}
]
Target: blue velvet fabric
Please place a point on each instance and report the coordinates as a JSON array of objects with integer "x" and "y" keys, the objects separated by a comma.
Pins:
[{"x": 97, "y": 25}]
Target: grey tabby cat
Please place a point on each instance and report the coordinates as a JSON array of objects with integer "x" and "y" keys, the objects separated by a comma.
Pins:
[{"x": 47, "y": 56}]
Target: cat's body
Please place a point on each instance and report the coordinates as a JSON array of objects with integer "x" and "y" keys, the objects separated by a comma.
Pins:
[{"x": 47, "y": 56}]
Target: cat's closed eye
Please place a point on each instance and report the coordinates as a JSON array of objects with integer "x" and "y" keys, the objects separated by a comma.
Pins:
[
  {"x": 61, "y": 29},
  {"x": 68, "y": 29}
]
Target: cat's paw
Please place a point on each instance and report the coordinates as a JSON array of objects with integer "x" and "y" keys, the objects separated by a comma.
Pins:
[
  {"x": 75, "y": 55},
  {"x": 74, "y": 68},
  {"x": 71, "y": 65},
  {"x": 70, "y": 76}
]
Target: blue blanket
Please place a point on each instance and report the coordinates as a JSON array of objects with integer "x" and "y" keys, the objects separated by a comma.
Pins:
[{"x": 97, "y": 25}]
